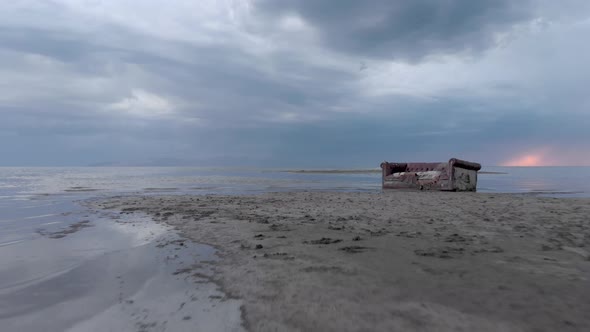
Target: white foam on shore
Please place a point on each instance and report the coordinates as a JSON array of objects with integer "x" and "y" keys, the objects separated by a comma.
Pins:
[
  {"x": 51, "y": 223},
  {"x": 10, "y": 243},
  {"x": 41, "y": 216}
]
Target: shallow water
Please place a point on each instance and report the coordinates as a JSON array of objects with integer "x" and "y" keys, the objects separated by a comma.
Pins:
[
  {"x": 23, "y": 183},
  {"x": 545, "y": 181},
  {"x": 67, "y": 267}
]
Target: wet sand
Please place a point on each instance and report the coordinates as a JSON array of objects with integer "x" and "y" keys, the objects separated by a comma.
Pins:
[
  {"x": 69, "y": 268},
  {"x": 405, "y": 261}
]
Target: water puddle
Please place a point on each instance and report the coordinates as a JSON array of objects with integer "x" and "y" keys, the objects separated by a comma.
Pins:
[{"x": 68, "y": 268}]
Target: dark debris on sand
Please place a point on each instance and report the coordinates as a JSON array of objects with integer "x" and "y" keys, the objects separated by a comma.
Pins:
[
  {"x": 324, "y": 240},
  {"x": 355, "y": 249}
]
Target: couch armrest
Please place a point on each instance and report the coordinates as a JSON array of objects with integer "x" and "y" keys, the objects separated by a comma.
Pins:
[{"x": 454, "y": 162}]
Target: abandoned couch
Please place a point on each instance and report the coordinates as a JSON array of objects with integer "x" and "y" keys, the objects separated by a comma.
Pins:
[{"x": 454, "y": 175}]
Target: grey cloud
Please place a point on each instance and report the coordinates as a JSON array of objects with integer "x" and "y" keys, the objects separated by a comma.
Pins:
[
  {"x": 408, "y": 30},
  {"x": 221, "y": 84},
  {"x": 62, "y": 45},
  {"x": 299, "y": 103}
]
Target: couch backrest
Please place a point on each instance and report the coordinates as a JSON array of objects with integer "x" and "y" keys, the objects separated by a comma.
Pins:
[{"x": 425, "y": 167}]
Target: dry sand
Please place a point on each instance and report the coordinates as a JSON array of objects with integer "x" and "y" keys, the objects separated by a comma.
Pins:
[{"x": 392, "y": 261}]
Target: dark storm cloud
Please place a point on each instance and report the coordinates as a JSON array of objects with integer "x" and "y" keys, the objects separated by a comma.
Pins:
[{"x": 409, "y": 30}]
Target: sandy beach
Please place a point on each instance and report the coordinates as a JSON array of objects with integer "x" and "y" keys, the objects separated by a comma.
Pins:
[{"x": 391, "y": 261}]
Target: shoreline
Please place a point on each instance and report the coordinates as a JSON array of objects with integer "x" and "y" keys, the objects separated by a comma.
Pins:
[
  {"x": 391, "y": 260},
  {"x": 77, "y": 268}
]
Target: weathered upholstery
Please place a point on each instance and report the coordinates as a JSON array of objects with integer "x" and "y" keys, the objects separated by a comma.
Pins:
[{"x": 454, "y": 175}]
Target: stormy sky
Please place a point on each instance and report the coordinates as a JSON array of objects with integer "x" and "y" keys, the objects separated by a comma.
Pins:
[{"x": 294, "y": 83}]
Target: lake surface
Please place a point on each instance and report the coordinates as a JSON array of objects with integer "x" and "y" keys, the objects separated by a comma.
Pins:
[
  {"x": 65, "y": 266},
  {"x": 24, "y": 183}
]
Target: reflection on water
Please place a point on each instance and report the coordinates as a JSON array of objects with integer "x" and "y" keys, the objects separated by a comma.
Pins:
[
  {"x": 66, "y": 267},
  {"x": 545, "y": 181}
]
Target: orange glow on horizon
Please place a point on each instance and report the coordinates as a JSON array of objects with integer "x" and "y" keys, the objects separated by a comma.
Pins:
[
  {"x": 526, "y": 160},
  {"x": 550, "y": 156}
]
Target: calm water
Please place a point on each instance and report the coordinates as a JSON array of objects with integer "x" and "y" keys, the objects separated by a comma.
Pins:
[
  {"x": 24, "y": 183},
  {"x": 56, "y": 275},
  {"x": 67, "y": 267}
]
